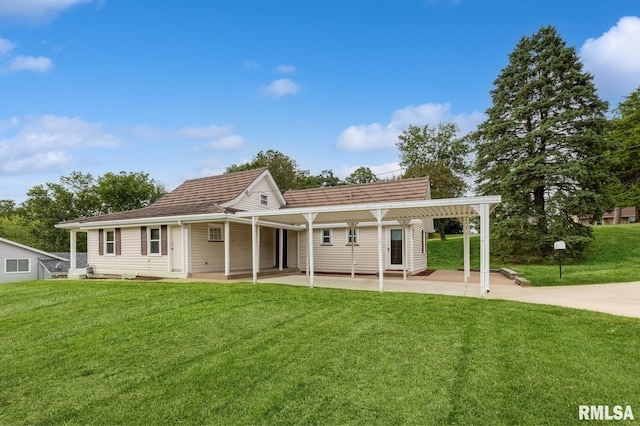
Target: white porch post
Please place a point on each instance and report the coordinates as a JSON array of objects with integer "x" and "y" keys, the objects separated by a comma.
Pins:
[
  {"x": 254, "y": 247},
  {"x": 281, "y": 249},
  {"x": 227, "y": 249},
  {"x": 379, "y": 214},
  {"x": 352, "y": 229},
  {"x": 484, "y": 249},
  {"x": 310, "y": 218},
  {"x": 466, "y": 249},
  {"x": 405, "y": 259},
  {"x": 73, "y": 248}
]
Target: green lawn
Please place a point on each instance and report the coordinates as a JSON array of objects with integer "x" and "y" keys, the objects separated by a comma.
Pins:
[
  {"x": 614, "y": 256},
  {"x": 100, "y": 352}
]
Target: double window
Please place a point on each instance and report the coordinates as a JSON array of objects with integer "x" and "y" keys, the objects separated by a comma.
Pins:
[
  {"x": 352, "y": 236},
  {"x": 216, "y": 233},
  {"x": 17, "y": 266}
]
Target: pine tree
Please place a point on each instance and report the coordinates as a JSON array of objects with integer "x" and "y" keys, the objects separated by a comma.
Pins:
[{"x": 542, "y": 148}]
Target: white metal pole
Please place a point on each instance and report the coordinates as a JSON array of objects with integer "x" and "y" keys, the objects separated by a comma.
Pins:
[
  {"x": 254, "y": 247},
  {"x": 227, "y": 249},
  {"x": 466, "y": 249},
  {"x": 310, "y": 218}
]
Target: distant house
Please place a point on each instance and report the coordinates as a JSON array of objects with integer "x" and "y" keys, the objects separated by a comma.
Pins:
[
  {"x": 627, "y": 215},
  {"x": 240, "y": 224},
  {"x": 22, "y": 263}
]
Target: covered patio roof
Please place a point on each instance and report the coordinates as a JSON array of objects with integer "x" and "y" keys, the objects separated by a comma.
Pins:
[{"x": 401, "y": 212}]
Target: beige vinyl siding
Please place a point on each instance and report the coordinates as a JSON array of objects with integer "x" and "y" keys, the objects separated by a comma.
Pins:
[
  {"x": 130, "y": 261},
  {"x": 337, "y": 256},
  {"x": 209, "y": 256},
  {"x": 251, "y": 201},
  {"x": 292, "y": 249},
  {"x": 206, "y": 256}
]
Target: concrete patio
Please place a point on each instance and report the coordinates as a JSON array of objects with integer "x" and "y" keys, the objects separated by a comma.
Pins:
[{"x": 618, "y": 299}]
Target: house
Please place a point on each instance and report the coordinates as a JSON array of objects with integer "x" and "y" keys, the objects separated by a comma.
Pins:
[
  {"x": 240, "y": 224},
  {"x": 627, "y": 215},
  {"x": 23, "y": 263}
]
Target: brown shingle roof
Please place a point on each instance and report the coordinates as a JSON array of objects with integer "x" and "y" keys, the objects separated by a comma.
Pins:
[
  {"x": 194, "y": 196},
  {"x": 376, "y": 192}
]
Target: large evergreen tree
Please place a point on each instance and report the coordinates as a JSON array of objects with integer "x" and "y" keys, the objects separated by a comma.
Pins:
[{"x": 542, "y": 148}]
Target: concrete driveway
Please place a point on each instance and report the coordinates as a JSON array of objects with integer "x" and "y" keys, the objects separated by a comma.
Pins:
[{"x": 618, "y": 299}]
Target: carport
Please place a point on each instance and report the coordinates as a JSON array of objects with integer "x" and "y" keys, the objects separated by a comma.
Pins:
[{"x": 399, "y": 212}]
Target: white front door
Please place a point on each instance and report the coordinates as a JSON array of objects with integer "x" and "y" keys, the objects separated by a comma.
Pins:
[
  {"x": 176, "y": 249},
  {"x": 396, "y": 249}
]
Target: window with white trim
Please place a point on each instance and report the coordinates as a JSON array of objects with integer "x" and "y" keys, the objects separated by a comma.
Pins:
[
  {"x": 326, "y": 237},
  {"x": 264, "y": 199},
  {"x": 17, "y": 266},
  {"x": 352, "y": 234},
  {"x": 154, "y": 240},
  {"x": 110, "y": 242},
  {"x": 216, "y": 233}
]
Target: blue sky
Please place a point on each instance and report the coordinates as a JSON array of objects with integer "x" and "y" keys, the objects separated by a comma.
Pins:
[{"x": 183, "y": 89}]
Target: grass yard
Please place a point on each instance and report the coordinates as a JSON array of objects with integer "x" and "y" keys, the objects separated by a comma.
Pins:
[
  {"x": 613, "y": 257},
  {"x": 100, "y": 352}
]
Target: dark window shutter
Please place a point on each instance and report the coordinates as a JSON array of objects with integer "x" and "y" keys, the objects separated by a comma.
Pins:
[
  {"x": 118, "y": 242},
  {"x": 163, "y": 240},
  {"x": 143, "y": 240},
  {"x": 101, "y": 242}
]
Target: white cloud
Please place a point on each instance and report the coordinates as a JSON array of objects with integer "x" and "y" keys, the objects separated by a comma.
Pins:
[
  {"x": 286, "y": 69},
  {"x": 6, "y": 46},
  {"x": 281, "y": 87},
  {"x": 36, "y": 10},
  {"x": 227, "y": 143},
  {"x": 27, "y": 63},
  {"x": 218, "y": 138},
  {"x": 376, "y": 136},
  {"x": 47, "y": 142},
  {"x": 614, "y": 58}
]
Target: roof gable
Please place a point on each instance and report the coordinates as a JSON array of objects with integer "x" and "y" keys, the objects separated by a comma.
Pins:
[
  {"x": 31, "y": 249},
  {"x": 213, "y": 190},
  {"x": 375, "y": 192}
]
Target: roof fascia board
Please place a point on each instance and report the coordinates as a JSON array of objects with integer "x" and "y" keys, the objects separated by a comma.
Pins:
[{"x": 439, "y": 202}]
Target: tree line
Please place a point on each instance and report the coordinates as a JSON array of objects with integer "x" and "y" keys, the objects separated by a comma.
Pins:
[{"x": 549, "y": 146}]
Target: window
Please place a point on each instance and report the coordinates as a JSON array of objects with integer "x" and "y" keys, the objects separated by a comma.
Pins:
[
  {"x": 352, "y": 234},
  {"x": 216, "y": 233},
  {"x": 16, "y": 266},
  {"x": 154, "y": 241},
  {"x": 264, "y": 200},
  {"x": 326, "y": 237},
  {"x": 110, "y": 242}
]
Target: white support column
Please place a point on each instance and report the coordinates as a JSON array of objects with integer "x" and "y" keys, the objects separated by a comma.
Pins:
[
  {"x": 352, "y": 229},
  {"x": 73, "y": 249},
  {"x": 466, "y": 249},
  {"x": 227, "y": 249},
  {"x": 405, "y": 238},
  {"x": 310, "y": 218},
  {"x": 484, "y": 249},
  {"x": 281, "y": 249},
  {"x": 306, "y": 272},
  {"x": 379, "y": 214},
  {"x": 254, "y": 247}
]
